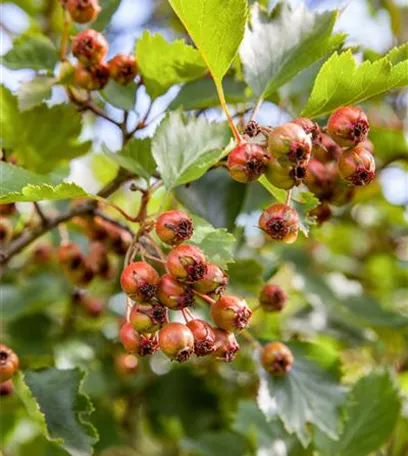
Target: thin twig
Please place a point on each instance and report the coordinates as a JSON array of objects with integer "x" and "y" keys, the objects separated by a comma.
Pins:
[
  {"x": 40, "y": 213},
  {"x": 204, "y": 297},
  {"x": 288, "y": 197},
  {"x": 256, "y": 109}
]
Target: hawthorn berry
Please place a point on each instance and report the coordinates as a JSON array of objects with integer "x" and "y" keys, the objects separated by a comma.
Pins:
[
  {"x": 89, "y": 47},
  {"x": 74, "y": 264},
  {"x": 43, "y": 253},
  {"x": 226, "y": 345},
  {"x": 322, "y": 213},
  {"x": 348, "y": 126},
  {"x": 83, "y": 11},
  {"x": 280, "y": 222},
  {"x": 214, "y": 282},
  {"x": 9, "y": 363},
  {"x": 272, "y": 298},
  {"x": 276, "y": 358},
  {"x": 7, "y": 209},
  {"x": 6, "y": 231},
  {"x": 99, "y": 260},
  {"x": 204, "y": 337},
  {"x": 123, "y": 69},
  {"x": 174, "y": 227},
  {"x": 289, "y": 143},
  {"x": 247, "y": 162},
  {"x": 173, "y": 294},
  {"x": 284, "y": 177},
  {"x": 147, "y": 318},
  {"x": 176, "y": 341},
  {"x": 126, "y": 364},
  {"x": 90, "y": 305},
  {"x": 320, "y": 178},
  {"x": 187, "y": 263},
  {"x": 357, "y": 166},
  {"x": 6, "y": 388},
  {"x": 139, "y": 344},
  {"x": 139, "y": 281},
  {"x": 231, "y": 313},
  {"x": 326, "y": 150},
  {"x": 94, "y": 77},
  {"x": 310, "y": 127}
]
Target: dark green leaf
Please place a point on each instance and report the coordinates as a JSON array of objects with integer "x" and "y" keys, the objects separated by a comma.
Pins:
[
  {"x": 122, "y": 97},
  {"x": 245, "y": 275},
  {"x": 215, "y": 444}
]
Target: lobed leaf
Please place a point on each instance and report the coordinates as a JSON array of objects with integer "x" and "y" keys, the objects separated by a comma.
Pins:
[{"x": 34, "y": 92}]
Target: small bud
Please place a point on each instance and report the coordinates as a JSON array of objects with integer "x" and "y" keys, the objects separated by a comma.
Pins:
[
  {"x": 348, "y": 126},
  {"x": 176, "y": 341},
  {"x": 139, "y": 281},
  {"x": 187, "y": 263},
  {"x": 280, "y": 222},
  {"x": 214, "y": 282},
  {"x": 326, "y": 150},
  {"x": 289, "y": 143},
  {"x": 320, "y": 178},
  {"x": 311, "y": 128},
  {"x": 247, "y": 162},
  {"x": 357, "y": 166},
  {"x": 83, "y": 11},
  {"x": 173, "y": 294},
  {"x": 204, "y": 337},
  {"x": 272, "y": 298},
  {"x": 126, "y": 364},
  {"x": 7, "y": 209},
  {"x": 276, "y": 358},
  {"x": 9, "y": 363},
  {"x": 174, "y": 227},
  {"x": 6, "y": 388},
  {"x": 231, "y": 313},
  {"x": 6, "y": 231},
  {"x": 147, "y": 318},
  {"x": 226, "y": 345},
  {"x": 123, "y": 69},
  {"x": 89, "y": 47},
  {"x": 90, "y": 78}
]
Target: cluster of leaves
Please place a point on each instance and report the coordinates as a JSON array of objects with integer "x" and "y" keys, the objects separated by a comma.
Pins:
[{"x": 345, "y": 321}]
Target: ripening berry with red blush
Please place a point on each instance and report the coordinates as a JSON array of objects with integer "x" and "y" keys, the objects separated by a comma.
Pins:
[
  {"x": 226, "y": 345},
  {"x": 173, "y": 294},
  {"x": 204, "y": 337},
  {"x": 231, "y": 313},
  {"x": 123, "y": 69},
  {"x": 176, "y": 341},
  {"x": 139, "y": 281},
  {"x": 276, "y": 358},
  {"x": 187, "y": 263},
  {"x": 94, "y": 77},
  {"x": 348, "y": 126},
  {"x": 280, "y": 222},
  {"x": 83, "y": 11},
  {"x": 310, "y": 127},
  {"x": 357, "y": 166},
  {"x": 320, "y": 178},
  {"x": 74, "y": 264},
  {"x": 7, "y": 209},
  {"x": 326, "y": 150},
  {"x": 89, "y": 47},
  {"x": 285, "y": 176},
  {"x": 147, "y": 318},
  {"x": 139, "y": 344},
  {"x": 321, "y": 213},
  {"x": 6, "y": 388},
  {"x": 9, "y": 363},
  {"x": 247, "y": 162},
  {"x": 174, "y": 227},
  {"x": 214, "y": 282},
  {"x": 272, "y": 298}
]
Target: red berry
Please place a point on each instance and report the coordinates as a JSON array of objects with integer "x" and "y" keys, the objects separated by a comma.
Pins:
[
  {"x": 82, "y": 11},
  {"x": 43, "y": 253},
  {"x": 174, "y": 227},
  {"x": 280, "y": 222},
  {"x": 326, "y": 150},
  {"x": 173, "y": 294},
  {"x": 276, "y": 358},
  {"x": 320, "y": 178},
  {"x": 126, "y": 364},
  {"x": 139, "y": 281},
  {"x": 9, "y": 363},
  {"x": 272, "y": 298},
  {"x": 348, "y": 126},
  {"x": 7, "y": 209},
  {"x": 6, "y": 231},
  {"x": 176, "y": 341},
  {"x": 226, "y": 345},
  {"x": 231, "y": 313},
  {"x": 357, "y": 166},
  {"x": 6, "y": 388},
  {"x": 99, "y": 261},
  {"x": 310, "y": 127},
  {"x": 322, "y": 213},
  {"x": 123, "y": 69},
  {"x": 289, "y": 143},
  {"x": 146, "y": 318},
  {"x": 90, "y": 78},
  {"x": 74, "y": 264},
  {"x": 92, "y": 306},
  {"x": 204, "y": 337},
  {"x": 187, "y": 263},
  {"x": 139, "y": 344},
  {"x": 214, "y": 282},
  {"x": 89, "y": 47},
  {"x": 247, "y": 162}
]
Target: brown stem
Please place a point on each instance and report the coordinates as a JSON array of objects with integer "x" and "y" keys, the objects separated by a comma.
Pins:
[
  {"x": 41, "y": 214},
  {"x": 204, "y": 297}
]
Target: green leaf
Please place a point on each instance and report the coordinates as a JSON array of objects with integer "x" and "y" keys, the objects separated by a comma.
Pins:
[
  {"x": 18, "y": 184},
  {"x": 184, "y": 149},
  {"x": 216, "y": 27},
  {"x": 122, "y": 97},
  {"x": 310, "y": 394},
  {"x": 372, "y": 411},
  {"x": 341, "y": 82},
  {"x": 135, "y": 157},
  {"x": 277, "y": 193},
  {"x": 202, "y": 94},
  {"x": 304, "y": 202},
  {"x": 53, "y": 398},
  {"x": 245, "y": 276},
  {"x": 41, "y": 146},
  {"x": 217, "y": 244},
  {"x": 163, "y": 64},
  {"x": 33, "y": 93},
  {"x": 215, "y": 444},
  {"x": 108, "y": 9},
  {"x": 277, "y": 47},
  {"x": 31, "y": 51}
]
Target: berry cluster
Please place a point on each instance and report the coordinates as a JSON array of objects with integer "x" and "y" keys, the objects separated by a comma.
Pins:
[
  {"x": 9, "y": 365},
  {"x": 6, "y": 227},
  {"x": 90, "y": 48},
  {"x": 187, "y": 276}
]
